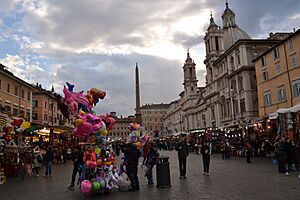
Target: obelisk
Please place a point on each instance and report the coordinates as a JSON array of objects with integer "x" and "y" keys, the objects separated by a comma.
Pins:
[{"x": 138, "y": 115}]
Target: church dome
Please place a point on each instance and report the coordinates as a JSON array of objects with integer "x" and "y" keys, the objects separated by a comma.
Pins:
[{"x": 233, "y": 34}]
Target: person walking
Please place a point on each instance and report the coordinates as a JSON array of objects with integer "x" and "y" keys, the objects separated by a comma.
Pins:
[
  {"x": 77, "y": 164},
  {"x": 183, "y": 153},
  {"x": 150, "y": 162},
  {"x": 48, "y": 158},
  {"x": 280, "y": 155},
  {"x": 37, "y": 160},
  {"x": 205, "y": 151},
  {"x": 132, "y": 155},
  {"x": 248, "y": 152}
]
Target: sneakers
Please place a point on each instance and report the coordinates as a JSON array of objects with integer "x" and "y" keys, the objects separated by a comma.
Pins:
[
  {"x": 184, "y": 177},
  {"x": 207, "y": 174},
  {"x": 287, "y": 174},
  {"x": 299, "y": 176},
  {"x": 71, "y": 187},
  {"x": 204, "y": 173}
]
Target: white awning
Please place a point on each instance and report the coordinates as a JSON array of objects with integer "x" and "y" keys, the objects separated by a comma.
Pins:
[
  {"x": 273, "y": 115},
  {"x": 283, "y": 110},
  {"x": 295, "y": 108}
]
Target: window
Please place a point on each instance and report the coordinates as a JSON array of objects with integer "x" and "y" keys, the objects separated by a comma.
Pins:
[
  {"x": 28, "y": 115},
  {"x": 22, "y": 113},
  {"x": 16, "y": 90},
  {"x": 275, "y": 53},
  {"x": 290, "y": 44},
  {"x": 281, "y": 94},
  {"x": 263, "y": 61},
  {"x": 45, "y": 104},
  {"x": 0, "y": 84},
  {"x": 23, "y": 93},
  {"x": 233, "y": 85},
  {"x": 8, "y": 87},
  {"x": 240, "y": 83},
  {"x": 277, "y": 68},
  {"x": 7, "y": 109},
  {"x": 217, "y": 43},
  {"x": 265, "y": 76},
  {"x": 34, "y": 116},
  {"x": 238, "y": 59},
  {"x": 293, "y": 61},
  {"x": 267, "y": 98},
  {"x": 28, "y": 95},
  {"x": 213, "y": 113},
  {"x": 35, "y": 103},
  {"x": 235, "y": 106},
  {"x": 45, "y": 117},
  {"x": 232, "y": 63},
  {"x": 242, "y": 105},
  {"x": 15, "y": 112},
  {"x": 296, "y": 88}
]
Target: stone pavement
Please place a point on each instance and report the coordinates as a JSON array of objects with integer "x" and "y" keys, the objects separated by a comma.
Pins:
[{"x": 229, "y": 179}]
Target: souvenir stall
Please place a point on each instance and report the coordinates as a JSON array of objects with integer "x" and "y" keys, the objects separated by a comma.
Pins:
[{"x": 15, "y": 155}]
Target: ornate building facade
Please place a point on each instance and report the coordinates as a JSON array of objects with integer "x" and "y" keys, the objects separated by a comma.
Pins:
[{"x": 229, "y": 97}]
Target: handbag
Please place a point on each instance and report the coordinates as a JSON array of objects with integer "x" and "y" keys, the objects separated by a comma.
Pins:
[{"x": 275, "y": 161}]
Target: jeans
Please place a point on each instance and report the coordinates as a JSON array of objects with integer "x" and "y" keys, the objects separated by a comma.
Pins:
[
  {"x": 132, "y": 175},
  {"x": 149, "y": 173},
  {"x": 182, "y": 166},
  {"x": 206, "y": 161},
  {"x": 48, "y": 165}
]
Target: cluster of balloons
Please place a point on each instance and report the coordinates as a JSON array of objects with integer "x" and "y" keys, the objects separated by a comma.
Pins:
[
  {"x": 80, "y": 105},
  {"x": 137, "y": 134},
  {"x": 88, "y": 124},
  {"x": 75, "y": 101}
]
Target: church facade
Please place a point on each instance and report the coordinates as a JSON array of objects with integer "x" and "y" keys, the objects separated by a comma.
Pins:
[{"x": 229, "y": 97}]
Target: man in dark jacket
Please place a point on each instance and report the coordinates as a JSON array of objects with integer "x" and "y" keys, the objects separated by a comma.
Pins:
[
  {"x": 132, "y": 155},
  {"x": 205, "y": 151},
  {"x": 150, "y": 162},
  {"x": 78, "y": 162},
  {"x": 183, "y": 153}
]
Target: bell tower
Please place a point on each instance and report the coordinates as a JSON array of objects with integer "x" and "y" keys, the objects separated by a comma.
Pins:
[
  {"x": 214, "y": 47},
  {"x": 190, "y": 78}
]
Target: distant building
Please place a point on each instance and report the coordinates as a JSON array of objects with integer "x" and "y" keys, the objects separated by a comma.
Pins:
[
  {"x": 278, "y": 76},
  {"x": 121, "y": 129},
  {"x": 15, "y": 95},
  {"x": 45, "y": 108},
  {"x": 152, "y": 117}
]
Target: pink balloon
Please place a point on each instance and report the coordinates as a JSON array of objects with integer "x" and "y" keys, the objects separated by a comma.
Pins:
[
  {"x": 96, "y": 128},
  {"x": 86, "y": 186},
  {"x": 83, "y": 130}
]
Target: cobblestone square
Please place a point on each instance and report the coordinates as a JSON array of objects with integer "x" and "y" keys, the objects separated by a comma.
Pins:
[{"x": 229, "y": 179}]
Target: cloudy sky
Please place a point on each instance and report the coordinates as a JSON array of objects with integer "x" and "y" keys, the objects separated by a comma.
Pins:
[{"x": 96, "y": 43}]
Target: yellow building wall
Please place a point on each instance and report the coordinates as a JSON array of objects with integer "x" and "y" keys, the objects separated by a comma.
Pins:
[
  {"x": 15, "y": 99},
  {"x": 285, "y": 78}
]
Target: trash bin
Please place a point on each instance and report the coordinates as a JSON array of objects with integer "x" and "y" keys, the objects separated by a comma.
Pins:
[{"x": 163, "y": 172}]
